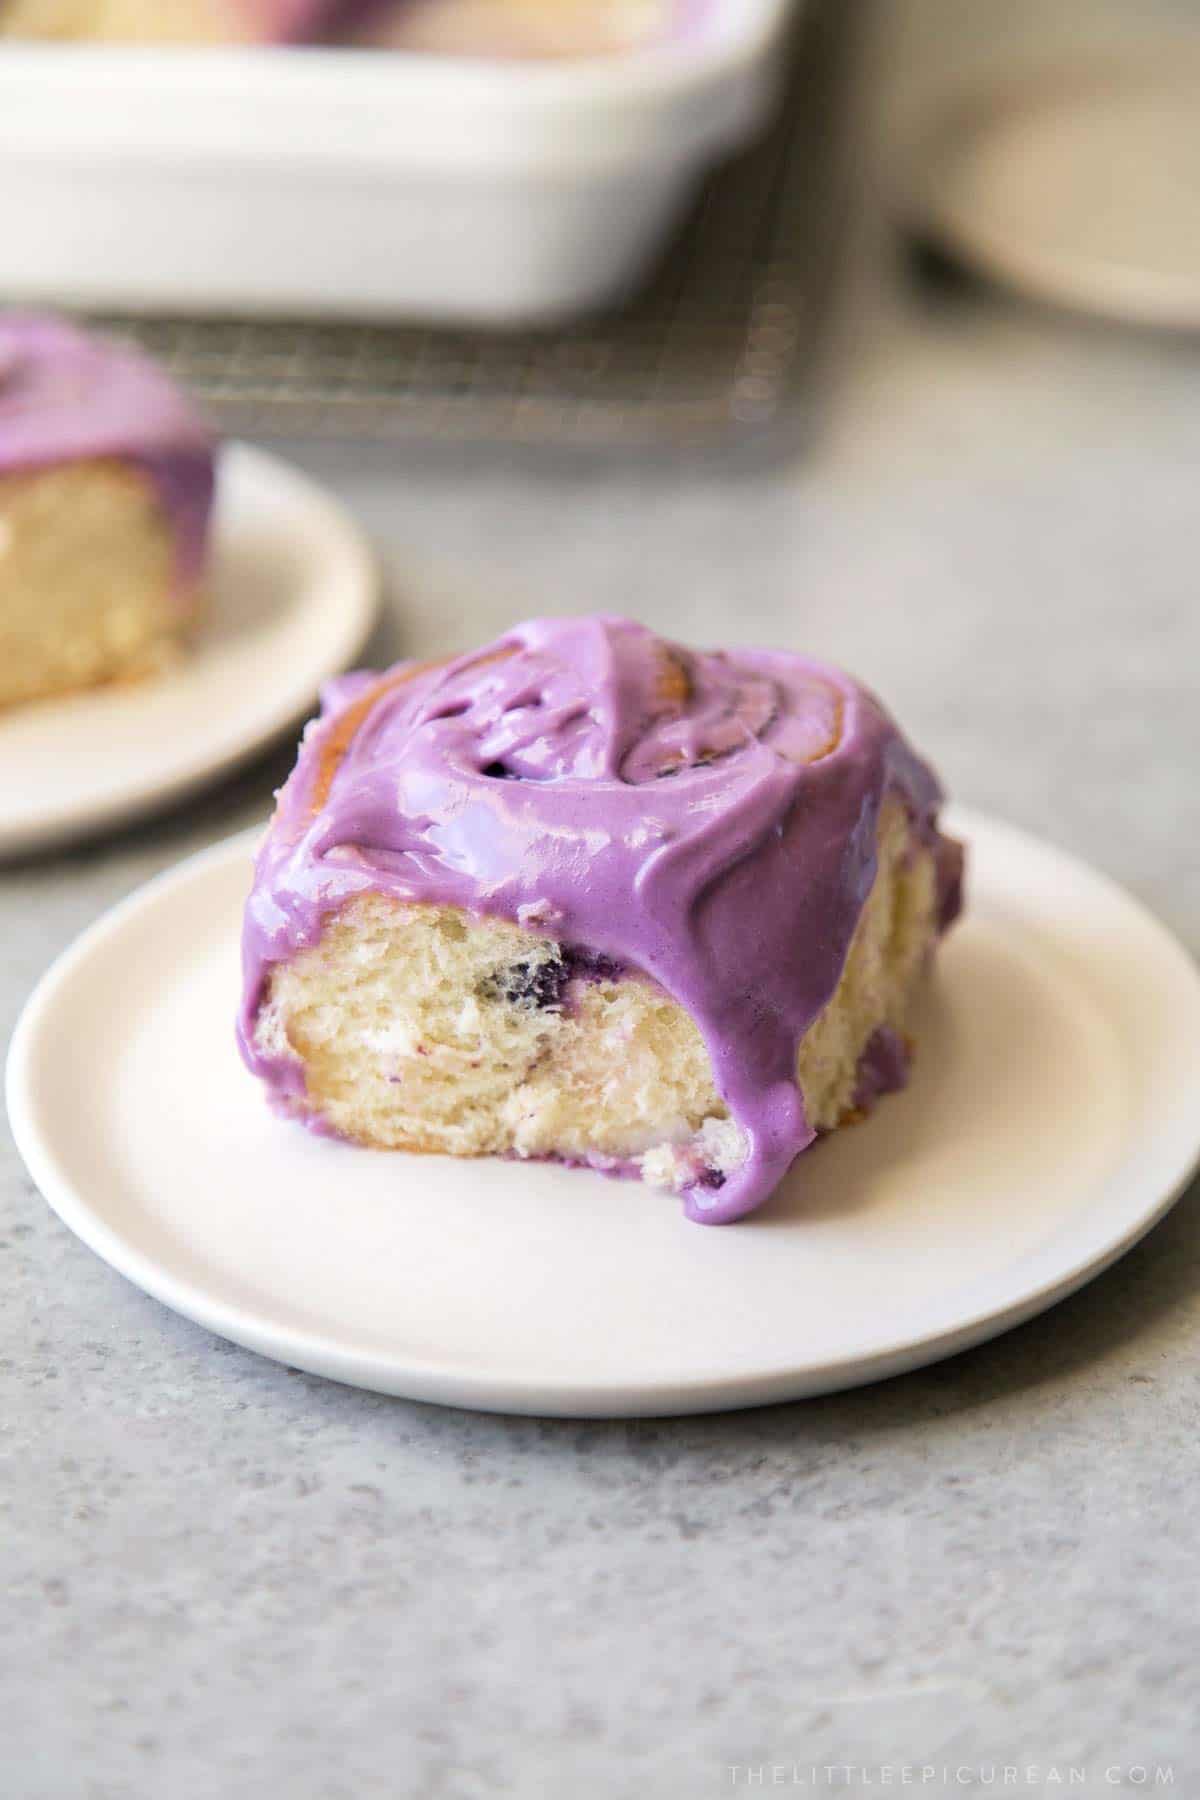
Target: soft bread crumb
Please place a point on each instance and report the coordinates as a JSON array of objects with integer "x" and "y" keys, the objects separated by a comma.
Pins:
[
  {"x": 423, "y": 1028},
  {"x": 716, "y": 1150},
  {"x": 87, "y": 579}
]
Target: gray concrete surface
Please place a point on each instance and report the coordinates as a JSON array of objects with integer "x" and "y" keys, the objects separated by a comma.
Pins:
[{"x": 225, "y": 1579}]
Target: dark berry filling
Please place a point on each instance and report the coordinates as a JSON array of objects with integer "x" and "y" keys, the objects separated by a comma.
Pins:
[
  {"x": 537, "y": 986},
  {"x": 590, "y": 965}
]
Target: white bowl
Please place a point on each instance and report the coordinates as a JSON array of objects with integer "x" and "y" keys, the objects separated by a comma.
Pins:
[{"x": 372, "y": 184}]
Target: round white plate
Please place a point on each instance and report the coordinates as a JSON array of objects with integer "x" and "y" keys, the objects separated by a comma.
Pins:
[
  {"x": 293, "y": 597},
  {"x": 1077, "y": 186},
  {"x": 1053, "y": 1116}
]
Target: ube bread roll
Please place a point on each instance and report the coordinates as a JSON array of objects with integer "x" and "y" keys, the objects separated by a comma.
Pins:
[
  {"x": 588, "y": 895},
  {"x": 517, "y": 28},
  {"x": 106, "y": 485},
  {"x": 172, "y": 21}
]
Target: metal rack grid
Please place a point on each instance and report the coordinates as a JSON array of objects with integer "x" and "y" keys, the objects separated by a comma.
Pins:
[{"x": 710, "y": 348}]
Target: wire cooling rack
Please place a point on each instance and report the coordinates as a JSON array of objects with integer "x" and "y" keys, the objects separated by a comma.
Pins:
[{"x": 711, "y": 347}]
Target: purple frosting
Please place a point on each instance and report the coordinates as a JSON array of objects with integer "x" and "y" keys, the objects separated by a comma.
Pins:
[
  {"x": 299, "y": 21},
  {"x": 66, "y": 396},
  {"x": 883, "y": 1065},
  {"x": 707, "y": 819}
]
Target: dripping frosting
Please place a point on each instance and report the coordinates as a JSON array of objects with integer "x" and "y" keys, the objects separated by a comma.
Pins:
[
  {"x": 708, "y": 819},
  {"x": 66, "y": 396}
]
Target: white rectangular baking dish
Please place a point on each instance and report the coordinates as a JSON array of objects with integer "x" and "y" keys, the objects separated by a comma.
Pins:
[{"x": 342, "y": 183}]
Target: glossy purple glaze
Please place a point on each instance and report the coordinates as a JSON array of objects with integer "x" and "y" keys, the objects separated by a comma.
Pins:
[
  {"x": 708, "y": 819},
  {"x": 66, "y": 396},
  {"x": 298, "y": 21},
  {"x": 882, "y": 1067}
]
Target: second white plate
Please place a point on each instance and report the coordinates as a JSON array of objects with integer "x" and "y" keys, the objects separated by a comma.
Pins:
[
  {"x": 293, "y": 597},
  {"x": 1054, "y": 1115},
  {"x": 1075, "y": 187}
]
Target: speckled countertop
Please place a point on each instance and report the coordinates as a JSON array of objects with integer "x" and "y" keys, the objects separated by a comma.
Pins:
[{"x": 224, "y": 1579}]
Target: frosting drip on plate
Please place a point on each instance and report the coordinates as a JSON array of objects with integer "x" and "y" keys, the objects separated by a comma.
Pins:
[
  {"x": 706, "y": 818},
  {"x": 66, "y": 396}
]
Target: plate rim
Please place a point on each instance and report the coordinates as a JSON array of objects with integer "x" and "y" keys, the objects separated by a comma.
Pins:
[
  {"x": 1095, "y": 289},
  {"x": 428, "y": 1379},
  {"x": 75, "y": 822}
]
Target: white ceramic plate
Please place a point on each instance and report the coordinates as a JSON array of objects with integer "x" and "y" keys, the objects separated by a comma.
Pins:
[
  {"x": 1076, "y": 187},
  {"x": 1054, "y": 1115},
  {"x": 293, "y": 597}
]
